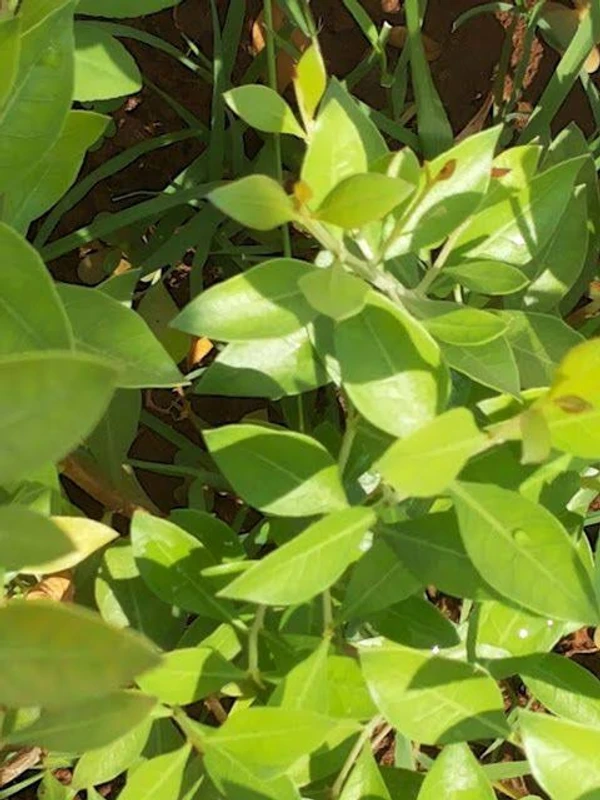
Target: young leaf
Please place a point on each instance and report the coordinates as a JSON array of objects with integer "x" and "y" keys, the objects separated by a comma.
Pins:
[
  {"x": 26, "y": 326},
  {"x": 37, "y": 397},
  {"x": 408, "y": 684},
  {"x": 261, "y": 303},
  {"x": 360, "y": 199},
  {"x": 334, "y": 292},
  {"x": 427, "y": 461},
  {"x": 378, "y": 580},
  {"x": 29, "y": 538},
  {"x": 335, "y": 151},
  {"x": 308, "y": 564},
  {"x": 124, "y": 599},
  {"x": 456, "y": 775},
  {"x": 263, "y": 109},
  {"x": 530, "y": 558},
  {"x": 365, "y": 780},
  {"x": 292, "y": 475},
  {"x": 563, "y": 756},
  {"x": 391, "y": 367},
  {"x": 256, "y": 202},
  {"x": 103, "y": 326},
  {"x": 187, "y": 675},
  {"x": 310, "y": 81},
  {"x": 488, "y": 277},
  {"x": 106, "y": 763},
  {"x": 103, "y": 66},
  {"x": 170, "y": 561},
  {"x": 83, "y": 653},
  {"x": 89, "y": 724}
]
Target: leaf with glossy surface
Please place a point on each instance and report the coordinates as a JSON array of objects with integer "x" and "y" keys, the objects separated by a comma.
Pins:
[
  {"x": 363, "y": 198},
  {"x": 334, "y": 292},
  {"x": 310, "y": 81},
  {"x": 103, "y": 66},
  {"x": 427, "y": 461},
  {"x": 488, "y": 277},
  {"x": 37, "y": 394},
  {"x": 416, "y": 622},
  {"x": 308, "y": 564},
  {"x": 465, "y": 327},
  {"x": 257, "y": 202},
  {"x": 391, "y": 367},
  {"x": 456, "y": 775},
  {"x": 187, "y": 675},
  {"x": 524, "y": 552},
  {"x": 29, "y": 538},
  {"x": 263, "y": 109},
  {"x": 26, "y": 326},
  {"x": 516, "y": 632},
  {"x": 491, "y": 364},
  {"x": 261, "y": 303},
  {"x": 103, "y": 326},
  {"x": 233, "y": 778},
  {"x": 86, "y": 725},
  {"x": 170, "y": 561},
  {"x": 563, "y": 756},
  {"x": 348, "y": 696},
  {"x": 305, "y": 687},
  {"x": 292, "y": 475},
  {"x": 83, "y": 653},
  {"x": 430, "y": 699},
  {"x": 365, "y": 780},
  {"x": 124, "y": 599},
  {"x": 221, "y": 540}
]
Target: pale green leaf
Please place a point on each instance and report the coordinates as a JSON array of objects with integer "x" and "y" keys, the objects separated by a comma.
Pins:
[
  {"x": 263, "y": 109},
  {"x": 257, "y": 202},
  {"x": 103, "y": 66}
]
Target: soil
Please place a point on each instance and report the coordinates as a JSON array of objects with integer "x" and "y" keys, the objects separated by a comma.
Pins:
[{"x": 463, "y": 72}]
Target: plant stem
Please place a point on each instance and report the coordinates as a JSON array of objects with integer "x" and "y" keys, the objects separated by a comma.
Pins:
[
  {"x": 253, "y": 665},
  {"x": 364, "y": 737},
  {"x": 272, "y": 71},
  {"x": 327, "y": 613}
]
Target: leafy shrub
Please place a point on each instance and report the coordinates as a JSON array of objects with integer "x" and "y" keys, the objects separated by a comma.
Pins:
[{"x": 430, "y": 435}]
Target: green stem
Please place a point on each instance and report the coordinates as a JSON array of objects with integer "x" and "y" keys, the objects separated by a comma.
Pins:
[
  {"x": 272, "y": 71},
  {"x": 257, "y": 626},
  {"x": 362, "y": 740},
  {"x": 211, "y": 479},
  {"x": 327, "y": 613}
]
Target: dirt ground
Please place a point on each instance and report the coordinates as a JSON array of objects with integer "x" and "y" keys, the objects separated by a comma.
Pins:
[{"x": 463, "y": 73}]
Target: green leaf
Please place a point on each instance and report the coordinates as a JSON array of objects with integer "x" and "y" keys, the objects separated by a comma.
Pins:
[
  {"x": 233, "y": 778},
  {"x": 24, "y": 325},
  {"x": 86, "y": 725},
  {"x": 103, "y": 67},
  {"x": 41, "y": 187},
  {"x": 124, "y": 599},
  {"x": 430, "y": 699},
  {"x": 292, "y": 475},
  {"x": 488, "y": 277},
  {"x": 36, "y": 407},
  {"x": 262, "y": 303},
  {"x": 273, "y": 368},
  {"x": 268, "y": 740},
  {"x": 122, "y": 8},
  {"x": 29, "y": 128},
  {"x": 365, "y": 780},
  {"x": 514, "y": 229},
  {"x": 222, "y": 541},
  {"x": 432, "y": 549},
  {"x": 539, "y": 342},
  {"x": 103, "y": 326},
  {"x": 348, "y": 696},
  {"x": 335, "y": 151},
  {"x": 305, "y": 687},
  {"x": 256, "y": 202},
  {"x": 29, "y": 538},
  {"x": 170, "y": 561},
  {"x": 451, "y": 188},
  {"x": 159, "y": 778},
  {"x": 378, "y": 580},
  {"x": 491, "y": 364},
  {"x": 530, "y": 560},
  {"x": 465, "y": 327},
  {"x": 427, "y": 461},
  {"x": 111, "y": 439},
  {"x": 514, "y": 631},
  {"x": 363, "y": 198},
  {"x": 456, "y": 775},
  {"x": 563, "y": 686},
  {"x": 106, "y": 763},
  {"x": 158, "y": 309},
  {"x": 563, "y": 756},
  {"x": 187, "y": 675},
  {"x": 85, "y": 536},
  {"x": 415, "y": 622},
  {"x": 391, "y": 367},
  {"x": 334, "y": 292},
  {"x": 310, "y": 81},
  {"x": 10, "y": 51},
  {"x": 308, "y": 564},
  {"x": 263, "y": 109},
  {"x": 83, "y": 653}
]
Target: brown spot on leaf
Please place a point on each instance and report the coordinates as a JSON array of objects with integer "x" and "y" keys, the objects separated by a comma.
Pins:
[{"x": 572, "y": 404}]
